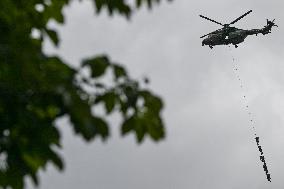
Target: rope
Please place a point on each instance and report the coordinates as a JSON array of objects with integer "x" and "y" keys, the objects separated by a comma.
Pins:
[{"x": 251, "y": 120}]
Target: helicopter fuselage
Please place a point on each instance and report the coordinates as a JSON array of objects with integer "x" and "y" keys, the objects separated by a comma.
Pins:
[{"x": 225, "y": 36}]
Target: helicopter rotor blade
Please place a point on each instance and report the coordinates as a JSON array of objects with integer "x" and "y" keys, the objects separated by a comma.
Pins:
[
  {"x": 240, "y": 17},
  {"x": 204, "y": 35},
  {"x": 211, "y": 20}
]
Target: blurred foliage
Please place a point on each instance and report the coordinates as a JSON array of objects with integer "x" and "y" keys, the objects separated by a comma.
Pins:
[{"x": 36, "y": 89}]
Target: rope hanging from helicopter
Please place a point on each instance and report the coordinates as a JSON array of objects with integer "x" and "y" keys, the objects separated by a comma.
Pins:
[{"x": 250, "y": 116}]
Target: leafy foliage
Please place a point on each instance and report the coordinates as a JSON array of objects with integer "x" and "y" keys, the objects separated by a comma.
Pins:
[
  {"x": 36, "y": 89},
  {"x": 121, "y": 6}
]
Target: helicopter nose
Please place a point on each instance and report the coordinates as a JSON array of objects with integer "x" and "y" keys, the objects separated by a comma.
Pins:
[{"x": 206, "y": 42}]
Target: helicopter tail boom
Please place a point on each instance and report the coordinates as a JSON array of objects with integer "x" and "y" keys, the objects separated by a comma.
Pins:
[{"x": 265, "y": 30}]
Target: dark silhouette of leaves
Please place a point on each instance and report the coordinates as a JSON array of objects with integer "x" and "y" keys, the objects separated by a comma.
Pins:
[
  {"x": 119, "y": 5},
  {"x": 36, "y": 89},
  {"x": 109, "y": 100},
  {"x": 98, "y": 65},
  {"x": 119, "y": 71},
  {"x": 53, "y": 36}
]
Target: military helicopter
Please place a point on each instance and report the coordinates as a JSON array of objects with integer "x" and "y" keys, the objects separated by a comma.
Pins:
[{"x": 231, "y": 35}]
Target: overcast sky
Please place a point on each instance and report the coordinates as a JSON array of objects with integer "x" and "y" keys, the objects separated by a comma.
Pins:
[{"x": 210, "y": 142}]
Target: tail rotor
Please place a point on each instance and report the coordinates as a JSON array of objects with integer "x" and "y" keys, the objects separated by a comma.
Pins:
[
  {"x": 268, "y": 27},
  {"x": 271, "y": 23}
]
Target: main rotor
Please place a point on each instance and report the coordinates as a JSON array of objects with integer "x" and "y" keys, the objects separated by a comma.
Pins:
[{"x": 224, "y": 25}]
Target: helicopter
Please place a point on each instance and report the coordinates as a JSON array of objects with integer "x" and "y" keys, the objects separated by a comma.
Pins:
[{"x": 231, "y": 35}]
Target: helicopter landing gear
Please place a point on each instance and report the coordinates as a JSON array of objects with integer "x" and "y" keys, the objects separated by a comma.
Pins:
[
  {"x": 211, "y": 47},
  {"x": 236, "y": 46}
]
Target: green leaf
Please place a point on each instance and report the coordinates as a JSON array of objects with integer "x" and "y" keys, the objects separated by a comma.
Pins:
[
  {"x": 98, "y": 65},
  {"x": 84, "y": 122},
  {"x": 154, "y": 127},
  {"x": 138, "y": 3},
  {"x": 54, "y": 10},
  {"x": 34, "y": 178},
  {"x": 80, "y": 115},
  {"x": 99, "y": 4},
  {"x": 153, "y": 103},
  {"x": 101, "y": 127},
  {"x": 142, "y": 124},
  {"x": 119, "y": 71},
  {"x": 110, "y": 101},
  {"x": 118, "y": 5},
  {"x": 149, "y": 3},
  {"x": 137, "y": 124},
  {"x": 52, "y": 34},
  {"x": 56, "y": 160},
  {"x": 33, "y": 162},
  {"x": 140, "y": 130},
  {"x": 128, "y": 125}
]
